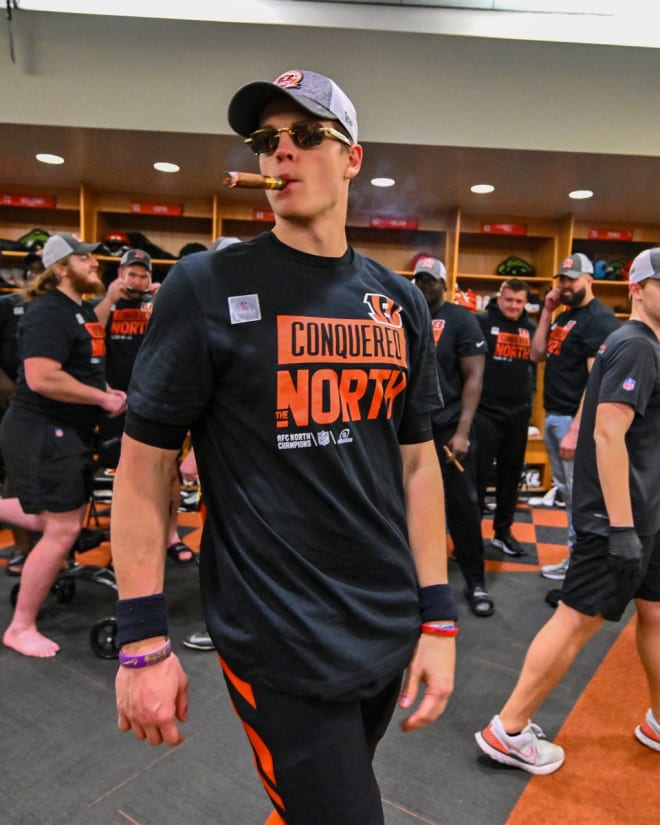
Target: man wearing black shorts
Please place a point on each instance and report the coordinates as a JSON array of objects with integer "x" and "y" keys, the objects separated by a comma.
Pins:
[
  {"x": 47, "y": 434},
  {"x": 616, "y": 510},
  {"x": 306, "y": 375}
]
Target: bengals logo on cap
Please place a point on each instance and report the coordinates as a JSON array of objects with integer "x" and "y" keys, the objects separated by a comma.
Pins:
[{"x": 289, "y": 80}]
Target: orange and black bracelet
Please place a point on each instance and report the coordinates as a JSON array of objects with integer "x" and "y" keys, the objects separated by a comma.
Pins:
[{"x": 440, "y": 628}]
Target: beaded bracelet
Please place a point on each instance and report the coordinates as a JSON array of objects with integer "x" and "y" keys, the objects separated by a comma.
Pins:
[
  {"x": 135, "y": 660},
  {"x": 440, "y": 628}
]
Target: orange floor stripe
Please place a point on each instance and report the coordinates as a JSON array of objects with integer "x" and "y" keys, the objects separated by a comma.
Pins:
[{"x": 608, "y": 778}]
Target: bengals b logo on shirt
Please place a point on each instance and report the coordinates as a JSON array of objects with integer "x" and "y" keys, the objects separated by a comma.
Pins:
[{"x": 383, "y": 310}]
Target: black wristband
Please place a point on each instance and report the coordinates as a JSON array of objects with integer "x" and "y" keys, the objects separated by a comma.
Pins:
[
  {"x": 141, "y": 618},
  {"x": 436, "y": 602}
]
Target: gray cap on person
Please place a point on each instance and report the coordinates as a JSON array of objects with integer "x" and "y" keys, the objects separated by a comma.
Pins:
[
  {"x": 431, "y": 266},
  {"x": 646, "y": 265},
  {"x": 221, "y": 243},
  {"x": 575, "y": 265},
  {"x": 317, "y": 94},
  {"x": 64, "y": 244}
]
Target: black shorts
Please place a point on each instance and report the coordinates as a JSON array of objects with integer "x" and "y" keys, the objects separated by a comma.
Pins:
[
  {"x": 51, "y": 465},
  {"x": 314, "y": 756},
  {"x": 590, "y": 587}
]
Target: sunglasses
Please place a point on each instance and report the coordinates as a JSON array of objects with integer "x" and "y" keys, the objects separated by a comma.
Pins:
[{"x": 304, "y": 135}]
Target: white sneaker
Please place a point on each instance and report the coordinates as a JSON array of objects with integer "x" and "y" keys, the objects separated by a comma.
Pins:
[
  {"x": 548, "y": 500},
  {"x": 648, "y": 732},
  {"x": 200, "y": 640},
  {"x": 555, "y": 572},
  {"x": 528, "y": 750}
]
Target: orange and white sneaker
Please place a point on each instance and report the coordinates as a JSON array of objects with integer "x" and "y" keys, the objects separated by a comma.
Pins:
[
  {"x": 528, "y": 750},
  {"x": 648, "y": 732}
]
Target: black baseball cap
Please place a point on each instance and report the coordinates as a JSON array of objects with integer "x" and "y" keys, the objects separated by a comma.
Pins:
[{"x": 136, "y": 256}]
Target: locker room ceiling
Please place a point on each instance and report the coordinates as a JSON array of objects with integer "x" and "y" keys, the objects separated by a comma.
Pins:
[{"x": 430, "y": 179}]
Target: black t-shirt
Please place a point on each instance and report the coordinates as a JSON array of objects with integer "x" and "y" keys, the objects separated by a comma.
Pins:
[
  {"x": 12, "y": 308},
  {"x": 124, "y": 331},
  {"x": 626, "y": 371},
  {"x": 457, "y": 335},
  {"x": 56, "y": 327},
  {"x": 574, "y": 337},
  {"x": 299, "y": 377},
  {"x": 509, "y": 374}
]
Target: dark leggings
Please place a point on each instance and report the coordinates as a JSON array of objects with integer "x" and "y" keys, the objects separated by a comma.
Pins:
[{"x": 314, "y": 756}]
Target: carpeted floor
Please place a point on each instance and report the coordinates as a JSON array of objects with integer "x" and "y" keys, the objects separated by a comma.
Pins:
[{"x": 65, "y": 763}]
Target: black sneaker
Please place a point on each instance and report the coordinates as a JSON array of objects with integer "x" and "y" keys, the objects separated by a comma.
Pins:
[{"x": 509, "y": 545}]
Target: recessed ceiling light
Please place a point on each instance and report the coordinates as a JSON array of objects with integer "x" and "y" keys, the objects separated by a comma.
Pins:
[
  {"x": 383, "y": 182},
  {"x": 580, "y": 194},
  {"x": 482, "y": 188},
  {"x": 163, "y": 166},
  {"x": 44, "y": 157}
]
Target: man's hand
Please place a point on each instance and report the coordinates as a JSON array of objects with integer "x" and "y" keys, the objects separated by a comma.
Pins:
[
  {"x": 150, "y": 699},
  {"x": 116, "y": 291},
  {"x": 433, "y": 664},
  {"x": 114, "y": 402},
  {"x": 568, "y": 445},
  {"x": 624, "y": 555},
  {"x": 552, "y": 300},
  {"x": 459, "y": 445}
]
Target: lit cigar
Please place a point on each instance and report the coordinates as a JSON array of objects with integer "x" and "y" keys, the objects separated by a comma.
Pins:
[
  {"x": 248, "y": 180},
  {"x": 451, "y": 457}
]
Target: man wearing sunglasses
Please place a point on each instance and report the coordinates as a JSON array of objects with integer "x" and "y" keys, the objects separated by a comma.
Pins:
[{"x": 306, "y": 375}]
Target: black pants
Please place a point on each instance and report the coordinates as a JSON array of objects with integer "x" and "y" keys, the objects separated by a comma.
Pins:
[
  {"x": 314, "y": 756},
  {"x": 501, "y": 437},
  {"x": 462, "y": 508}
]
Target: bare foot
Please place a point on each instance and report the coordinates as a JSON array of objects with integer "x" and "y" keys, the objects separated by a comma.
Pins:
[{"x": 30, "y": 642}]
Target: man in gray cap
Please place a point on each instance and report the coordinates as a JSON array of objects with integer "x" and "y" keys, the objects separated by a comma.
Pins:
[
  {"x": 47, "y": 433},
  {"x": 306, "y": 375},
  {"x": 616, "y": 514},
  {"x": 568, "y": 345}
]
